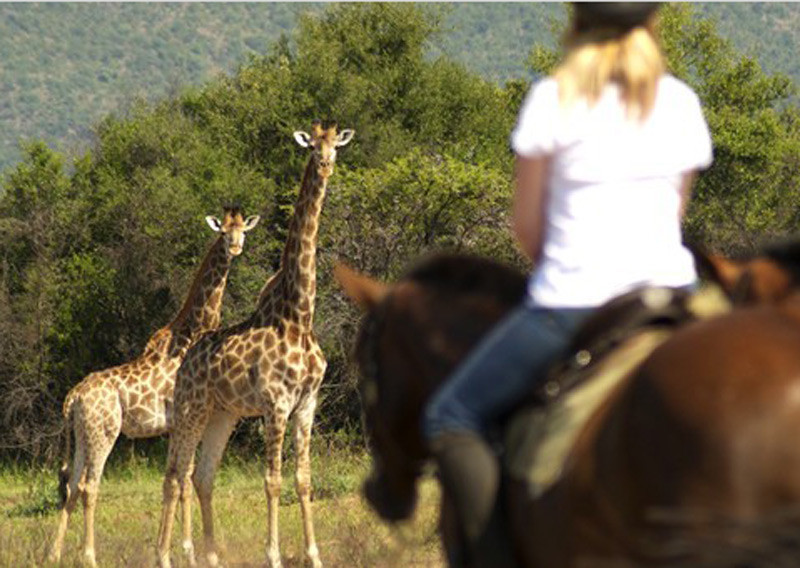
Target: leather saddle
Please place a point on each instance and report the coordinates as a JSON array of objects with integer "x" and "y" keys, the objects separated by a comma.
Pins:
[{"x": 609, "y": 326}]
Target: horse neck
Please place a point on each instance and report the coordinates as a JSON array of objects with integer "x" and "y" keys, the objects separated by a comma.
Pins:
[{"x": 790, "y": 306}]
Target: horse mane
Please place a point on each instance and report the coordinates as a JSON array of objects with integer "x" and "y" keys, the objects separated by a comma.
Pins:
[{"x": 470, "y": 274}]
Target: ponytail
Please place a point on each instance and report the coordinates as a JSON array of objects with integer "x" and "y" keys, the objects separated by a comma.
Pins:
[{"x": 595, "y": 58}]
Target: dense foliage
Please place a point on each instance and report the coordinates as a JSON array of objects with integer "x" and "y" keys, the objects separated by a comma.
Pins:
[{"x": 95, "y": 255}]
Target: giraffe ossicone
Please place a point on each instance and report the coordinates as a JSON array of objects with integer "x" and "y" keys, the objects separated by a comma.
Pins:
[
  {"x": 135, "y": 398},
  {"x": 268, "y": 365}
]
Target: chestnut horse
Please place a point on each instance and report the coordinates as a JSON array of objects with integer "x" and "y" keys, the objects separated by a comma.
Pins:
[{"x": 690, "y": 462}]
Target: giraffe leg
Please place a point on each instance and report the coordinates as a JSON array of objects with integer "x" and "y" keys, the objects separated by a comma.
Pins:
[
  {"x": 275, "y": 428},
  {"x": 303, "y": 422},
  {"x": 97, "y": 455},
  {"x": 182, "y": 444},
  {"x": 219, "y": 429},
  {"x": 74, "y": 490},
  {"x": 186, "y": 515}
]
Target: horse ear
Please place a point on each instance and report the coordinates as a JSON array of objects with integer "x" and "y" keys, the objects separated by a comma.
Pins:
[
  {"x": 731, "y": 275},
  {"x": 364, "y": 291}
]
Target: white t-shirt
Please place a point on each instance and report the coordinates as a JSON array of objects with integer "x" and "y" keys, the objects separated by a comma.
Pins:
[{"x": 612, "y": 220}]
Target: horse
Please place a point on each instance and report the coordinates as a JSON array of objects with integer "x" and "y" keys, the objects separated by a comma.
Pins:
[{"x": 686, "y": 463}]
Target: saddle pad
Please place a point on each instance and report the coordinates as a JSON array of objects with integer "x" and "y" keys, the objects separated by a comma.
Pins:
[
  {"x": 709, "y": 301},
  {"x": 539, "y": 439}
]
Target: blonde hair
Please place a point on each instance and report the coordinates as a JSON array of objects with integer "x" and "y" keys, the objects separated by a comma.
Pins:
[{"x": 594, "y": 58}]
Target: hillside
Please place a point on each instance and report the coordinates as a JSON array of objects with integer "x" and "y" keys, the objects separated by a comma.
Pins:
[{"x": 65, "y": 65}]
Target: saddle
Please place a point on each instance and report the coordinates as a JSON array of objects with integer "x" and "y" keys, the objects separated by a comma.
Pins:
[
  {"x": 611, "y": 325},
  {"x": 608, "y": 346}
]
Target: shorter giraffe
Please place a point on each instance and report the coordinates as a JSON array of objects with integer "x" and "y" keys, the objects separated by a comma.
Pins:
[
  {"x": 136, "y": 398},
  {"x": 269, "y": 365}
]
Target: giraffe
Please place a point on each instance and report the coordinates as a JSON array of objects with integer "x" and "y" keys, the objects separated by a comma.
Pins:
[
  {"x": 135, "y": 398},
  {"x": 269, "y": 365}
]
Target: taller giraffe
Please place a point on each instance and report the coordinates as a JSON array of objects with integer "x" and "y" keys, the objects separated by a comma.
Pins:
[
  {"x": 269, "y": 365},
  {"x": 136, "y": 398}
]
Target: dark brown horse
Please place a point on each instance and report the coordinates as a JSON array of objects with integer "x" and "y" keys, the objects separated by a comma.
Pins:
[{"x": 692, "y": 461}]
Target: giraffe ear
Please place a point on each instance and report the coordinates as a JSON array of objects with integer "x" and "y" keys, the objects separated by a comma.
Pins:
[
  {"x": 251, "y": 222},
  {"x": 344, "y": 137},
  {"x": 302, "y": 138},
  {"x": 214, "y": 223}
]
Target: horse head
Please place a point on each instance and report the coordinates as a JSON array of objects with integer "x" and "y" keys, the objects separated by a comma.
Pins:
[
  {"x": 397, "y": 457},
  {"x": 413, "y": 334},
  {"x": 770, "y": 277}
]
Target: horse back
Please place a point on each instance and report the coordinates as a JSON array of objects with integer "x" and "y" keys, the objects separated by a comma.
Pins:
[{"x": 696, "y": 441}]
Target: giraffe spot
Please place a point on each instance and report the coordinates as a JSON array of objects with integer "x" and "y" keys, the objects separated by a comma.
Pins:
[
  {"x": 277, "y": 391},
  {"x": 258, "y": 336},
  {"x": 280, "y": 366},
  {"x": 294, "y": 358},
  {"x": 241, "y": 386},
  {"x": 293, "y": 334},
  {"x": 254, "y": 375},
  {"x": 215, "y": 297},
  {"x": 282, "y": 349},
  {"x": 252, "y": 399},
  {"x": 226, "y": 390},
  {"x": 252, "y": 357},
  {"x": 214, "y": 373}
]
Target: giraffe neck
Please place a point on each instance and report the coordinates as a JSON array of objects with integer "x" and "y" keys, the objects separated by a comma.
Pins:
[
  {"x": 203, "y": 305},
  {"x": 298, "y": 286}
]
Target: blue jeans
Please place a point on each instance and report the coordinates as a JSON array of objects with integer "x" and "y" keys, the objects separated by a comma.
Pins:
[{"x": 505, "y": 366}]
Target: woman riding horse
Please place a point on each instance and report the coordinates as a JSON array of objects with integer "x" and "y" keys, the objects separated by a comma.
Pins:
[
  {"x": 607, "y": 149},
  {"x": 692, "y": 462}
]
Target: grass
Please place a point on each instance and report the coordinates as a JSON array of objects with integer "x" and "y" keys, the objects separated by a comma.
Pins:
[{"x": 348, "y": 533}]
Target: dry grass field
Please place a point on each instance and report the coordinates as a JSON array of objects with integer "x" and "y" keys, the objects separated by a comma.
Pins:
[{"x": 348, "y": 533}]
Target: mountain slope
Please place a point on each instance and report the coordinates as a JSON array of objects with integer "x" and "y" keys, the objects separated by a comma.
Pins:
[{"x": 65, "y": 65}]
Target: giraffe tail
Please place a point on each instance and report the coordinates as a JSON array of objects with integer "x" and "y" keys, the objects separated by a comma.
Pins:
[{"x": 64, "y": 472}]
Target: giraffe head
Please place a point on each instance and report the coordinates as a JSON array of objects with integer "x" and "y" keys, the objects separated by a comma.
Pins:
[
  {"x": 323, "y": 142},
  {"x": 233, "y": 226}
]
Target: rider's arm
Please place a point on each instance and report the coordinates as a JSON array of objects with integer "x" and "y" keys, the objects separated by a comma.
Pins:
[
  {"x": 686, "y": 190},
  {"x": 530, "y": 203}
]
